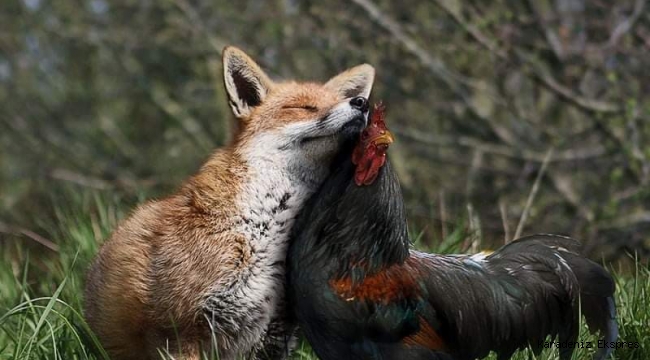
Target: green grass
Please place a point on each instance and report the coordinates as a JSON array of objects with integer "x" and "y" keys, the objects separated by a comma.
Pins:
[{"x": 41, "y": 289}]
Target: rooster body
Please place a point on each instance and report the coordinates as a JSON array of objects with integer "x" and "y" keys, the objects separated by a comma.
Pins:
[{"x": 359, "y": 291}]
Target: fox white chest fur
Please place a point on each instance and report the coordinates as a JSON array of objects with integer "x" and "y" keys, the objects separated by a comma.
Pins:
[{"x": 279, "y": 183}]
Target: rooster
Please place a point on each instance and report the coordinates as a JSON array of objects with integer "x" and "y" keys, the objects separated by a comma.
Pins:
[{"x": 359, "y": 290}]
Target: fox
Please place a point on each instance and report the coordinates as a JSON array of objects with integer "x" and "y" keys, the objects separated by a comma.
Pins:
[{"x": 203, "y": 269}]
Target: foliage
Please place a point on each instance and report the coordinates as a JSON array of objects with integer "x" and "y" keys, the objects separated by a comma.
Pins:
[
  {"x": 40, "y": 299},
  {"x": 126, "y": 95}
]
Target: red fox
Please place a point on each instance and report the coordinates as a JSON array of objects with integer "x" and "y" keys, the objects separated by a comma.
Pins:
[{"x": 206, "y": 265}]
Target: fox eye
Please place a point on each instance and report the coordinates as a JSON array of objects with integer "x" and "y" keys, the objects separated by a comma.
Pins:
[{"x": 311, "y": 108}]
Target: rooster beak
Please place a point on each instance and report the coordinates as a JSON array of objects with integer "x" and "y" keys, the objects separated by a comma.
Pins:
[{"x": 385, "y": 138}]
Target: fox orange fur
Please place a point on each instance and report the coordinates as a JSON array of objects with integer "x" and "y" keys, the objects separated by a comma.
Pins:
[{"x": 203, "y": 269}]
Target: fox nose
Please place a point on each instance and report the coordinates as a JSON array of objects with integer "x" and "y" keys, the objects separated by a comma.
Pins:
[{"x": 359, "y": 103}]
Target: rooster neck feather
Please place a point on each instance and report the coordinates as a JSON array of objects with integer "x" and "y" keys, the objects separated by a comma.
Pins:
[{"x": 363, "y": 228}]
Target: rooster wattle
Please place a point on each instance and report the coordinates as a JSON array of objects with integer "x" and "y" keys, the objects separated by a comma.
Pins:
[{"x": 359, "y": 291}]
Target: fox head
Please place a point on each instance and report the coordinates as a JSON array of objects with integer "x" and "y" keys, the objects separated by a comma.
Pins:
[{"x": 305, "y": 121}]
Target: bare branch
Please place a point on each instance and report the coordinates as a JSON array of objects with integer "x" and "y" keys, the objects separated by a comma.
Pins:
[
  {"x": 504, "y": 221},
  {"x": 534, "y": 69},
  {"x": 99, "y": 183},
  {"x": 15, "y": 230},
  {"x": 475, "y": 234},
  {"x": 628, "y": 220},
  {"x": 588, "y": 104},
  {"x": 477, "y": 162},
  {"x": 485, "y": 41},
  {"x": 443, "y": 215},
  {"x": 564, "y": 185},
  {"x": 191, "y": 125},
  {"x": 197, "y": 24},
  {"x": 79, "y": 179},
  {"x": 496, "y": 149},
  {"x": 108, "y": 126},
  {"x": 551, "y": 37},
  {"x": 533, "y": 193},
  {"x": 626, "y": 25},
  {"x": 434, "y": 64}
]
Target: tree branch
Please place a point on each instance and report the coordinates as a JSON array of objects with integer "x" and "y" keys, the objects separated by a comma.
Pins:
[
  {"x": 626, "y": 25},
  {"x": 15, "y": 230},
  {"x": 435, "y": 65},
  {"x": 496, "y": 149},
  {"x": 532, "y": 194},
  {"x": 534, "y": 69}
]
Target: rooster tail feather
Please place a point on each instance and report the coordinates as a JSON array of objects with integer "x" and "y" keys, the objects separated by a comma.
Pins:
[
  {"x": 587, "y": 282},
  {"x": 610, "y": 330},
  {"x": 596, "y": 299}
]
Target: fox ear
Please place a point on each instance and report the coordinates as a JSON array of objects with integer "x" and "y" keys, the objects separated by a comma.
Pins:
[
  {"x": 353, "y": 82},
  {"x": 246, "y": 84}
]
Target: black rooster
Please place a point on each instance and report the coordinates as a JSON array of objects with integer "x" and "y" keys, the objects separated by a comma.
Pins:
[{"x": 359, "y": 291}]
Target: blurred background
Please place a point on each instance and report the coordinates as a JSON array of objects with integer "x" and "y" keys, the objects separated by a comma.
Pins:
[{"x": 503, "y": 109}]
